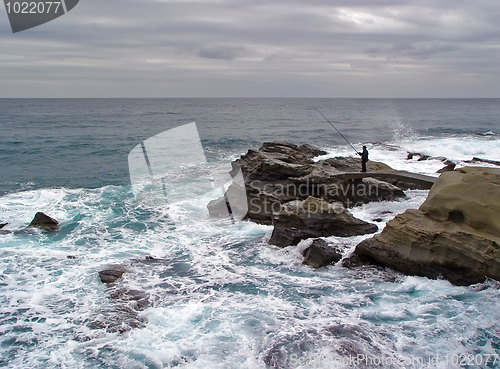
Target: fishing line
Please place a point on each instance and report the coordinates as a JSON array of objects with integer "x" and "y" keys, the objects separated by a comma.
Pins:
[{"x": 340, "y": 133}]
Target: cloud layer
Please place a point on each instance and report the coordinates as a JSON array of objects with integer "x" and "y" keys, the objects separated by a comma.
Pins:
[{"x": 226, "y": 48}]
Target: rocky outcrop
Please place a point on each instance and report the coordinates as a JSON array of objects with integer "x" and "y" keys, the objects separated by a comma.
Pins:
[
  {"x": 43, "y": 221},
  {"x": 278, "y": 173},
  {"x": 278, "y": 160},
  {"x": 314, "y": 217},
  {"x": 455, "y": 234},
  {"x": 320, "y": 254}
]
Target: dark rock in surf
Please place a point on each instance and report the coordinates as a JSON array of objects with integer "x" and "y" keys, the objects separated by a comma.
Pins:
[
  {"x": 4, "y": 231},
  {"x": 367, "y": 268},
  {"x": 136, "y": 299},
  {"x": 314, "y": 217},
  {"x": 448, "y": 168},
  {"x": 122, "y": 315},
  {"x": 478, "y": 160},
  {"x": 356, "y": 261},
  {"x": 43, "y": 221},
  {"x": 120, "y": 318},
  {"x": 320, "y": 254},
  {"x": 421, "y": 157},
  {"x": 111, "y": 275},
  {"x": 440, "y": 158}
]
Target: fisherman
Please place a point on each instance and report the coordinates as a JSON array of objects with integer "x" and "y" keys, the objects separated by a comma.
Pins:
[{"x": 364, "y": 158}]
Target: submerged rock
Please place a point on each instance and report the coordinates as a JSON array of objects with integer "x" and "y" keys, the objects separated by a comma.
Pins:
[
  {"x": 111, "y": 275},
  {"x": 314, "y": 217},
  {"x": 138, "y": 300},
  {"x": 455, "y": 234},
  {"x": 123, "y": 314},
  {"x": 43, "y": 221},
  {"x": 320, "y": 254}
]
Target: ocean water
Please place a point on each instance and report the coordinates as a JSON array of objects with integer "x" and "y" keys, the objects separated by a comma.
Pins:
[{"x": 218, "y": 296}]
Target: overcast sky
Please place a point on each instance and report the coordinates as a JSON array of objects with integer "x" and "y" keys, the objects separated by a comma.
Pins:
[{"x": 257, "y": 48}]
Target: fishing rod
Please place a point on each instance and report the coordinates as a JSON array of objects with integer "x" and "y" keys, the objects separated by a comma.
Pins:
[{"x": 340, "y": 133}]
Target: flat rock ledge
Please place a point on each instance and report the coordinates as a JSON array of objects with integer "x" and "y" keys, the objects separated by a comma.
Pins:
[
  {"x": 314, "y": 217},
  {"x": 455, "y": 234}
]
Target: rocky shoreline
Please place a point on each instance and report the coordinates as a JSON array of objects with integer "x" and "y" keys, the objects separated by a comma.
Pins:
[{"x": 454, "y": 235}]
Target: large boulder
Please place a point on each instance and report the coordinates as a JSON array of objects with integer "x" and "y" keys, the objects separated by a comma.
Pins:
[
  {"x": 314, "y": 217},
  {"x": 43, "y": 221},
  {"x": 455, "y": 234},
  {"x": 278, "y": 160}
]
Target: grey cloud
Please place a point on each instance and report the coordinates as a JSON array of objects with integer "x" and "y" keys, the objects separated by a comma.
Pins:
[
  {"x": 222, "y": 52},
  {"x": 122, "y": 43},
  {"x": 422, "y": 50}
]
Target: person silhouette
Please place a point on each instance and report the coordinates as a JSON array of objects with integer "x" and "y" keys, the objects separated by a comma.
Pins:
[{"x": 364, "y": 158}]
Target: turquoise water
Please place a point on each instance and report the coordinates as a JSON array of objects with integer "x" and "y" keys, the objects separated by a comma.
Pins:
[{"x": 218, "y": 296}]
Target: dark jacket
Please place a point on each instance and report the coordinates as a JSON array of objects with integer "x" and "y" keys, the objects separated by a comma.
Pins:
[{"x": 364, "y": 156}]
